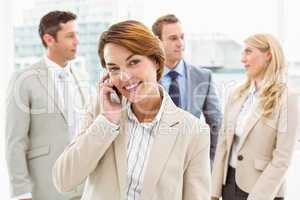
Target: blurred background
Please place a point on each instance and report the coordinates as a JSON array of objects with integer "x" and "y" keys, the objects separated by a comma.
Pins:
[{"x": 214, "y": 32}]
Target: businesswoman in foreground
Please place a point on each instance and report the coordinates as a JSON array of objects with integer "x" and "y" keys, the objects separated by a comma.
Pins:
[
  {"x": 259, "y": 129},
  {"x": 145, "y": 147}
]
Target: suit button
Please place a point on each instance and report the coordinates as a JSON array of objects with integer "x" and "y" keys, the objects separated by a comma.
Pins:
[{"x": 240, "y": 157}]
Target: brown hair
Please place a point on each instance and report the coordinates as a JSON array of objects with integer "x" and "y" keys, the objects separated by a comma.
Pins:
[
  {"x": 135, "y": 37},
  {"x": 163, "y": 20},
  {"x": 50, "y": 23}
]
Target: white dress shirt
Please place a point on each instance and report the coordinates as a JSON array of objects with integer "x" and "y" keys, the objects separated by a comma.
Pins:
[
  {"x": 141, "y": 136},
  {"x": 243, "y": 117},
  {"x": 68, "y": 93}
]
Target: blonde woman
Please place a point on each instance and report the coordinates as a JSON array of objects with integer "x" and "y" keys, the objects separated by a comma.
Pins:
[{"x": 259, "y": 129}]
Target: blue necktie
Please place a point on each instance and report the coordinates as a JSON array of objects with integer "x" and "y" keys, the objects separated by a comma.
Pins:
[{"x": 174, "y": 91}]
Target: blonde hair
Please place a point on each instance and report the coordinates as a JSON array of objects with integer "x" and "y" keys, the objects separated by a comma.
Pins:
[{"x": 274, "y": 81}]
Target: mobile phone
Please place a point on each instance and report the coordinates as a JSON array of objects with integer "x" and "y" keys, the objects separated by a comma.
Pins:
[
  {"x": 116, "y": 90},
  {"x": 116, "y": 95}
]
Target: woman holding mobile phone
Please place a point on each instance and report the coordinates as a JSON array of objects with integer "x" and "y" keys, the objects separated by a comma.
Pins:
[
  {"x": 259, "y": 131},
  {"x": 143, "y": 147}
]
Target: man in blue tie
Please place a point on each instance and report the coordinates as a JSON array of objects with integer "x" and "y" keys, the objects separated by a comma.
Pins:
[{"x": 190, "y": 87}]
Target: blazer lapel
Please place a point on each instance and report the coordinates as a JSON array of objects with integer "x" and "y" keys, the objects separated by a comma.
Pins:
[
  {"x": 47, "y": 82},
  {"x": 164, "y": 140},
  {"x": 82, "y": 84},
  {"x": 120, "y": 146},
  {"x": 235, "y": 109},
  {"x": 189, "y": 86},
  {"x": 251, "y": 121}
]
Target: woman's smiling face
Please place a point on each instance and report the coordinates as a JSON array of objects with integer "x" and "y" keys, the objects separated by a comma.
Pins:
[{"x": 135, "y": 76}]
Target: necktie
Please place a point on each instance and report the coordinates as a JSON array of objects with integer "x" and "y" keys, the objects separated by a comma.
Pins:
[
  {"x": 68, "y": 102},
  {"x": 64, "y": 88},
  {"x": 174, "y": 91}
]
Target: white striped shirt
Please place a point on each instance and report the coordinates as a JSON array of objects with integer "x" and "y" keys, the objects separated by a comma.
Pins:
[{"x": 141, "y": 136}]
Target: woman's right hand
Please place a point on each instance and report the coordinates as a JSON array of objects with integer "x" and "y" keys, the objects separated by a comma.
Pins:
[{"x": 108, "y": 108}]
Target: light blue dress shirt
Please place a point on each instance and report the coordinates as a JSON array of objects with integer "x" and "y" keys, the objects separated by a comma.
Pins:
[{"x": 181, "y": 79}]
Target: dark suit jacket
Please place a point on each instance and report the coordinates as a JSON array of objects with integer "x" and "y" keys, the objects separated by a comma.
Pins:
[{"x": 202, "y": 99}]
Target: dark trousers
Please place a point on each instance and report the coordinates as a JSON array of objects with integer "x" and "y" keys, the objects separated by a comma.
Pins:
[{"x": 231, "y": 191}]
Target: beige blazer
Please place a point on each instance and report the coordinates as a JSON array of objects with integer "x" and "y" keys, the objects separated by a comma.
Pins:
[
  {"x": 266, "y": 150},
  {"x": 36, "y": 131},
  {"x": 178, "y": 166}
]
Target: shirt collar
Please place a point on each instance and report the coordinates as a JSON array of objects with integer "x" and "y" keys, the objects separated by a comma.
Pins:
[
  {"x": 54, "y": 66},
  {"x": 253, "y": 90},
  {"x": 180, "y": 69},
  {"x": 157, "y": 118}
]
